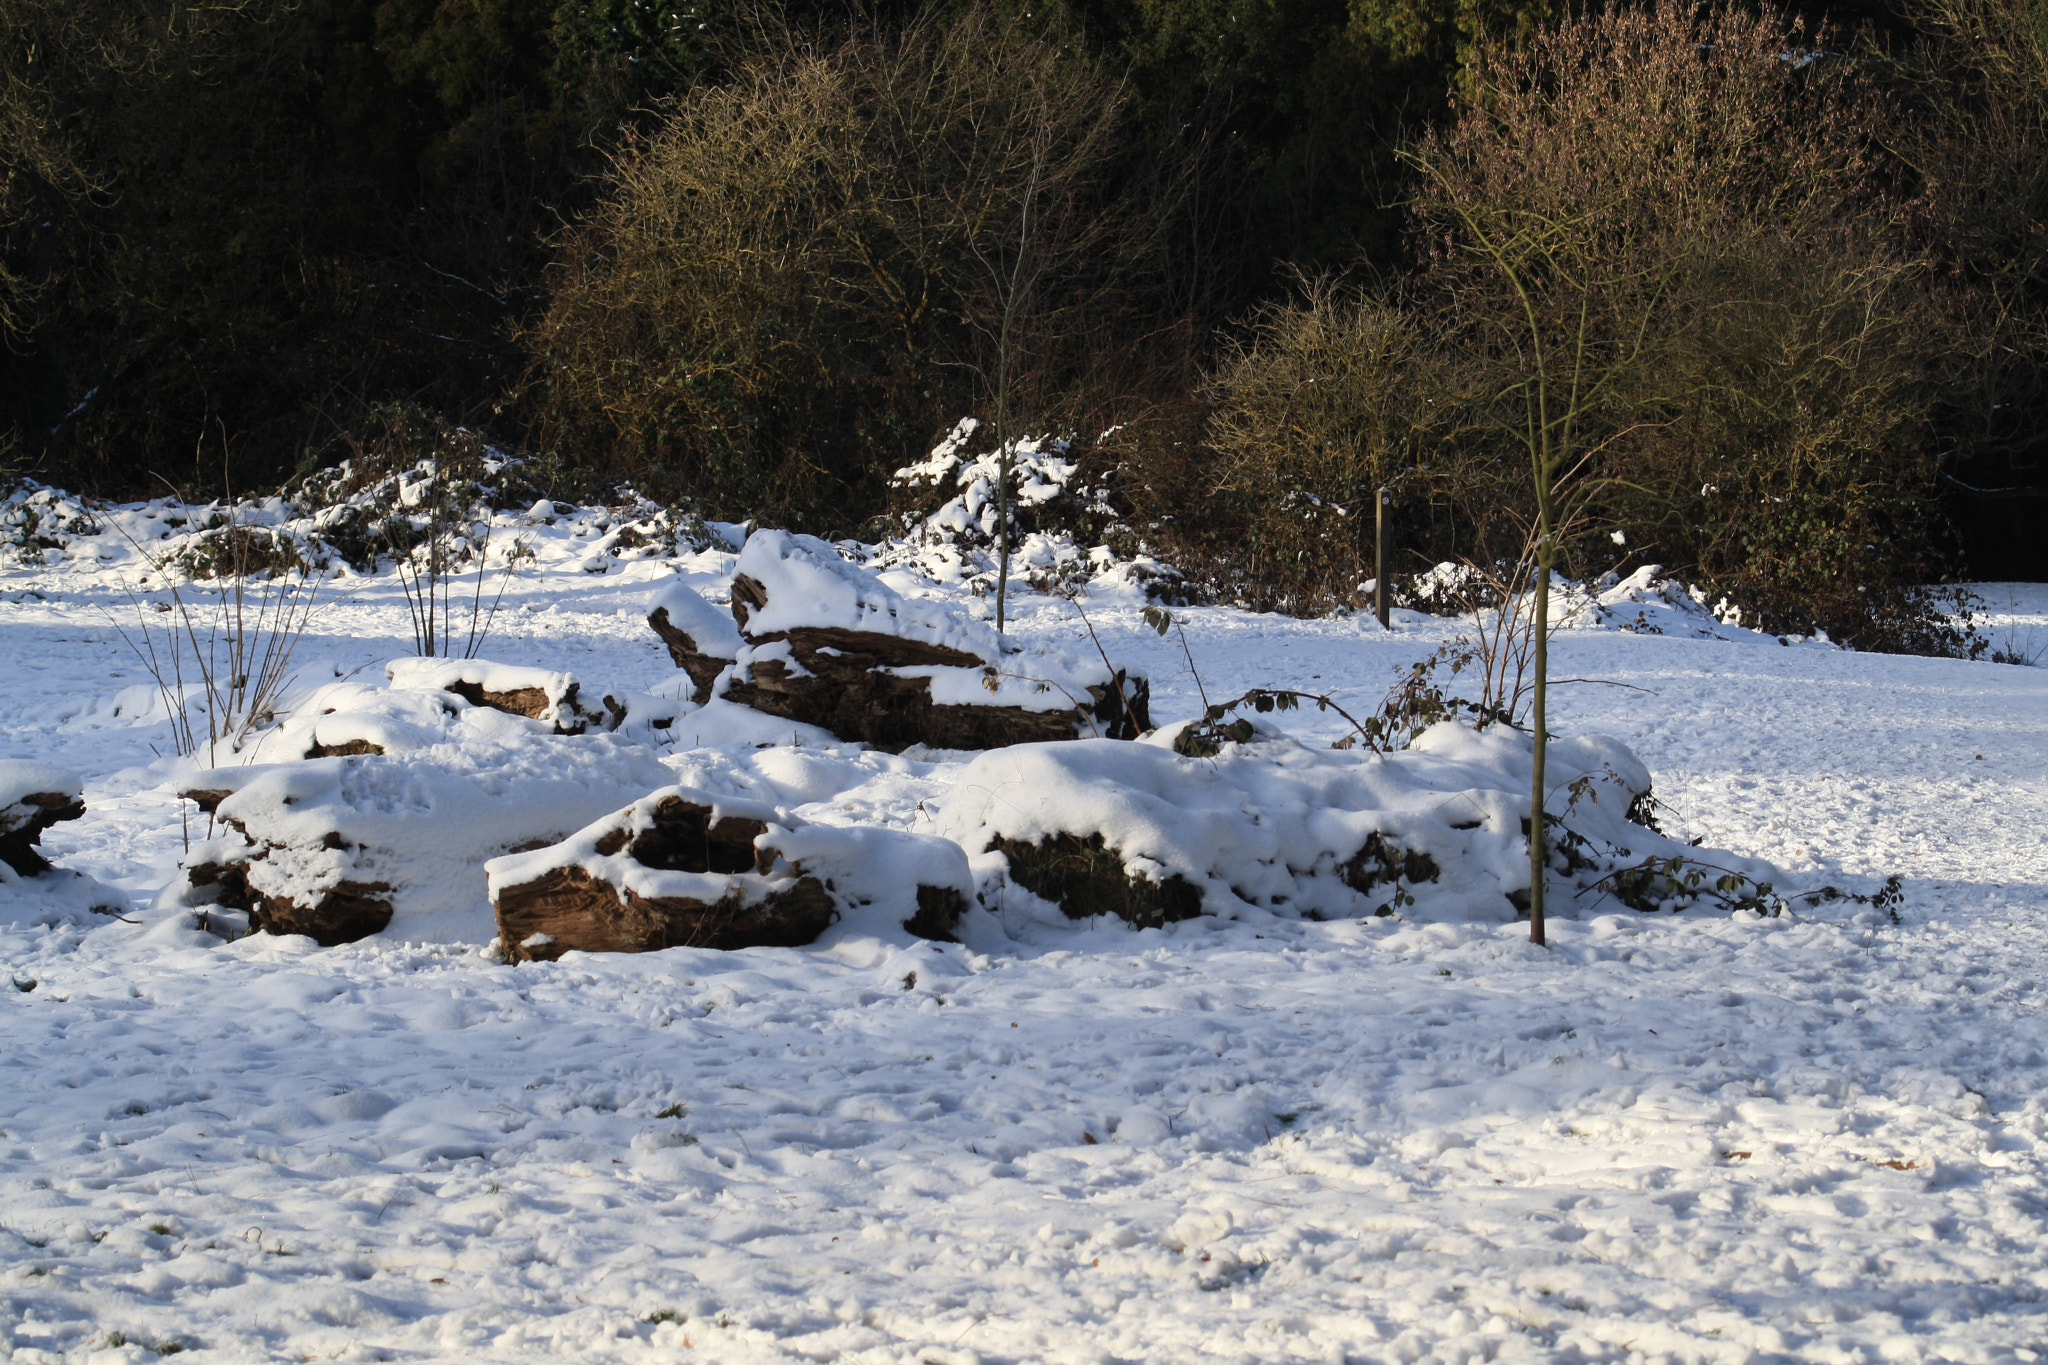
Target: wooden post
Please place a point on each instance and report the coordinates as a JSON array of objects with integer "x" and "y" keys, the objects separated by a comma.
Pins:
[{"x": 1379, "y": 560}]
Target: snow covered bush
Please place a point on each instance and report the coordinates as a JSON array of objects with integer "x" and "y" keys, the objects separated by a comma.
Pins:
[
  {"x": 37, "y": 522},
  {"x": 948, "y": 522},
  {"x": 1065, "y": 527},
  {"x": 1436, "y": 831}
]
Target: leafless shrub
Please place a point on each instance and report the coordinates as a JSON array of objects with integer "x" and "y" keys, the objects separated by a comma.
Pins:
[
  {"x": 806, "y": 271},
  {"x": 1323, "y": 402},
  {"x": 224, "y": 650},
  {"x": 421, "y": 500},
  {"x": 1691, "y": 300}
]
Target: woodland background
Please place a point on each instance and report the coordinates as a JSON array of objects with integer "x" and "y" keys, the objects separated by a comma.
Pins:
[{"x": 1260, "y": 257}]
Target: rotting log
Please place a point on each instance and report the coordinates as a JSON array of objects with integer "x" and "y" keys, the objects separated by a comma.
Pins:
[
  {"x": 703, "y": 668},
  {"x": 342, "y": 913},
  {"x": 530, "y": 702},
  {"x": 747, "y": 895}
]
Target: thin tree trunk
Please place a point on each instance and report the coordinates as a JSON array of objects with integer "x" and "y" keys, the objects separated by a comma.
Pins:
[
  {"x": 1002, "y": 471},
  {"x": 1016, "y": 290},
  {"x": 1539, "y": 842}
]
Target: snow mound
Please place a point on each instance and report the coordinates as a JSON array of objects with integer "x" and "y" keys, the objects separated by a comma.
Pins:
[
  {"x": 1649, "y": 603},
  {"x": 536, "y": 693},
  {"x": 342, "y": 847},
  {"x": 886, "y": 883},
  {"x": 1646, "y": 602},
  {"x": 362, "y": 718},
  {"x": 57, "y": 897},
  {"x": 1434, "y": 832},
  {"x": 432, "y": 702},
  {"x": 783, "y": 581}
]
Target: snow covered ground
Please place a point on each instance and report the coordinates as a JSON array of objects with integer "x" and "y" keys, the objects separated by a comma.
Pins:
[{"x": 1692, "y": 1137}]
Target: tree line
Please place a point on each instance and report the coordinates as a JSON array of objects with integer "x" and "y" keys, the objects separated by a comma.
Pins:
[{"x": 1764, "y": 292}]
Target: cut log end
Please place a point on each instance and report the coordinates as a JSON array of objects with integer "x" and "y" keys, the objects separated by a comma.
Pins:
[
  {"x": 343, "y": 913},
  {"x": 939, "y": 909},
  {"x": 684, "y": 837}
]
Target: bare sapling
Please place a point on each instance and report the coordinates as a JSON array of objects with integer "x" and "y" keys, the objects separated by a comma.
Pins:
[
  {"x": 1632, "y": 300},
  {"x": 1552, "y": 246},
  {"x": 1044, "y": 166},
  {"x": 1013, "y": 286},
  {"x": 428, "y": 562},
  {"x": 1500, "y": 599},
  {"x": 232, "y": 654}
]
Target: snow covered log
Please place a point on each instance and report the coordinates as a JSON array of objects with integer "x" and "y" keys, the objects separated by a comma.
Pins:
[
  {"x": 33, "y": 797},
  {"x": 827, "y": 643},
  {"x": 535, "y": 693},
  {"x": 687, "y": 868},
  {"x": 701, "y": 639},
  {"x": 345, "y": 847},
  {"x": 429, "y": 702}
]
